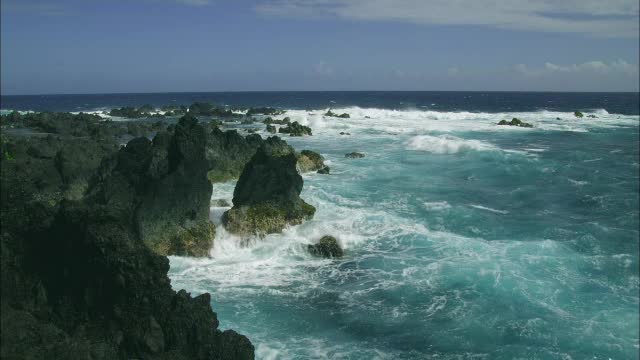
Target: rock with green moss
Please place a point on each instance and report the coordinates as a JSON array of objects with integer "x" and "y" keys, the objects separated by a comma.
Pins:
[
  {"x": 227, "y": 153},
  {"x": 271, "y": 129},
  {"x": 327, "y": 247},
  {"x": 578, "y": 114},
  {"x": 267, "y": 196},
  {"x": 310, "y": 161},
  {"x": 295, "y": 129},
  {"x": 515, "y": 122},
  {"x": 173, "y": 215}
]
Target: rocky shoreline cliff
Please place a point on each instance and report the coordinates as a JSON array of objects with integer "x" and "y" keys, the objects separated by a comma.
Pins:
[{"x": 86, "y": 225}]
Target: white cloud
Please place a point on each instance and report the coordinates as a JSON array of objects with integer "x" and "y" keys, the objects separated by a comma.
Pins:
[
  {"x": 323, "y": 69},
  {"x": 590, "y": 67},
  {"x": 614, "y": 18}
]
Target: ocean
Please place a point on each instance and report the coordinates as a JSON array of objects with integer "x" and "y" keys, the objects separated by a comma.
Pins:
[{"x": 463, "y": 239}]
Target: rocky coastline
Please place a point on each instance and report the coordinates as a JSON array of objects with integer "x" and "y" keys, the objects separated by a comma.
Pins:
[{"x": 87, "y": 223}]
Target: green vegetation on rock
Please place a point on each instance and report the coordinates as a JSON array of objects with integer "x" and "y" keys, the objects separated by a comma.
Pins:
[
  {"x": 327, "y": 247},
  {"x": 295, "y": 129}
]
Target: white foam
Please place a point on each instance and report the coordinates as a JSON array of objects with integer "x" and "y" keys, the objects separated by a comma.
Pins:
[
  {"x": 436, "y": 205},
  {"x": 489, "y": 209},
  {"x": 420, "y": 121},
  {"x": 446, "y": 144}
]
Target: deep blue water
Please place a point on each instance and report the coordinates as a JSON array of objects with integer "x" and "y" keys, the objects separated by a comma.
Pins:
[
  {"x": 463, "y": 239},
  {"x": 619, "y": 103}
]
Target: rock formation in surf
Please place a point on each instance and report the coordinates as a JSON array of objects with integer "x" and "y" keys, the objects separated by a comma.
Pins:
[
  {"x": 228, "y": 152},
  {"x": 309, "y": 161},
  {"x": 515, "y": 122},
  {"x": 295, "y": 129},
  {"x": 267, "y": 195},
  {"x": 354, "y": 155},
  {"x": 327, "y": 247}
]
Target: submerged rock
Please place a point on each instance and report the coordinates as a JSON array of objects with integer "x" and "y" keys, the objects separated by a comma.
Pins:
[
  {"x": 592, "y": 116},
  {"x": 267, "y": 195},
  {"x": 310, "y": 161},
  {"x": 325, "y": 170},
  {"x": 295, "y": 129},
  {"x": 220, "y": 203},
  {"x": 327, "y": 247},
  {"x": 354, "y": 155},
  {"x": 344, "y": 133},
  {"x": 515, "y": 122}
]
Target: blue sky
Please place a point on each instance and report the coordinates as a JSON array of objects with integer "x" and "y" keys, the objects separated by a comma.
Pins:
[{"x": 100, "y": 46}]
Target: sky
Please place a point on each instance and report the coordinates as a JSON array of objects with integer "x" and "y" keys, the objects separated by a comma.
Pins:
[{"x": 119, "y": 46}]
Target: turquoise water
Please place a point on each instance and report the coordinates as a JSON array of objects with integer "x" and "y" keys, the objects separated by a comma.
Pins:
[{"x": 463, "y": 240}]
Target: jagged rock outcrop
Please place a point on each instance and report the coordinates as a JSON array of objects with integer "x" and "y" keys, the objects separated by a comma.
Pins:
[
  {"x": 295, "y": 129},
  {"x": 578, "y": 114},
  {"x": 173, "y": 215},
  {"x": 269, "y": 120},
  {"x": 327, "y": 247},
  {"x": 309, "y": 161},
  {"x": 78, "y": 281},
  {"x": 267, "y": 195},
  {"x": 228, "y": 152}
]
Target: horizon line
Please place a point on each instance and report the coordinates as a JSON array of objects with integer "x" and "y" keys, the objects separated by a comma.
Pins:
[{"x": 323, "y": 91}]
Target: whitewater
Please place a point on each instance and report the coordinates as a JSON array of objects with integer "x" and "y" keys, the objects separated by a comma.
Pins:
[{"x": 463, "y": 240}]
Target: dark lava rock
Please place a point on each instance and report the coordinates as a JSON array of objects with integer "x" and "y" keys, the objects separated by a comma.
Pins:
[
  {"x": 77, "y": 279},
  {"x": 271, "y": 129},
  {"x": 228, "y": 152},
  {"x": 578, "y": 114},
  {"x": 264, "y": 111},
  {"x": 327, "y": 247},
  {"x": 344, "y": 133},
  {"x": 267, "y": 195},
  {"x": 269, "y": 121},
  {"x": 325, "y": 170},
  {"x": 515, "y": 122},
  {"x": 332, "y": 114},
  {"x": 295, "y": 129},
  {"x": 592, "y": 116},
  {"x": 173, "y": 216},
  {"x": 310, "y": 161},
  {"x": 354, "y": 155}
]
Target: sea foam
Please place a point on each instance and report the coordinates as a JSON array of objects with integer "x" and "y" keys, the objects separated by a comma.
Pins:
[{"x": 446, "y": 144}]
